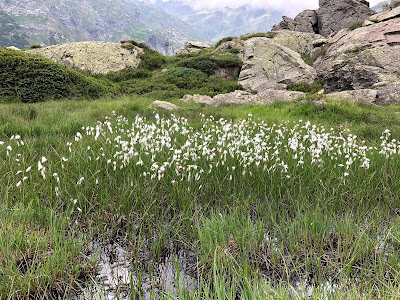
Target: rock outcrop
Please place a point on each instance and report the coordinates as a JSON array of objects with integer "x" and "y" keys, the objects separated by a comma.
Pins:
[
  {"x": 96, "y": 57},
  {"x": 365, "y": 58},
  {"x": 244, "y": 97},
  {"x": 331, "y": 17},
  {"x": 192, "y": 47},
  {"x": 269, "y": 65}
]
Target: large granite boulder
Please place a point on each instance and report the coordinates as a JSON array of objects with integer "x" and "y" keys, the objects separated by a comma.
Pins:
[
  {"x": 192, "y": 47},
  {"x": 269, "y": 65},
  {"x": 365, "y": 58},
  {"x": 334, "y": 15},
  {"x": 96, "y": 57}
]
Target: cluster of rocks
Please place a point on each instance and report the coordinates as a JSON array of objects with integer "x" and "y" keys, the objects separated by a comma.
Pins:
[{"x": 331, "y": 17}]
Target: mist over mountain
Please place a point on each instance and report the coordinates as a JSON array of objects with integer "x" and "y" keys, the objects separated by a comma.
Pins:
[
  {"x": 51, "y": 22},
  {"x": 215, "y": 24}
]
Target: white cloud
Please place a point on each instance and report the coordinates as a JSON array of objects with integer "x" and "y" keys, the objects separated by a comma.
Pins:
[{"x": 288, "y": 7}]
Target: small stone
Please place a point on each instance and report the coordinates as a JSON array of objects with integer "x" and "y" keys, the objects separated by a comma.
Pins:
[{"x": 163, "y": 105}]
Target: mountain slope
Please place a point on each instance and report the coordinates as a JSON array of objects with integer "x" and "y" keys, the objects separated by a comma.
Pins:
[
  {"x": 11, "y": 34},
  {"x": 51, "y": 22},
  {"x": 216, "y": 24}
]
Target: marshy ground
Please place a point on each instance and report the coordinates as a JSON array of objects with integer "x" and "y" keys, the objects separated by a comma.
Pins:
[{"x": 107, "y": 199}]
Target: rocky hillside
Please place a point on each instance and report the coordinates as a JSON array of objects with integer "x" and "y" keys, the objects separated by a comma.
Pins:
[
  {"x": 11, "y": 34},
  {"x": 217, "y": 24},
  {"x": 52, "y": 22}
]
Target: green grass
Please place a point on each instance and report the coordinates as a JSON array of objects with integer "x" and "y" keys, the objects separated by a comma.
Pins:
[{"x": 255, "y": 235}]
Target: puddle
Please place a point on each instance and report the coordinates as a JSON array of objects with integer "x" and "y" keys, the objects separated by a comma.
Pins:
[{"x": 116, "y": 276}]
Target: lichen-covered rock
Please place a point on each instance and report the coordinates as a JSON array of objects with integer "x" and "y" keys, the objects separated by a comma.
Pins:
[
  {"x": 362, "y": 59},
  {"x": 301, "y": 42},
  {"x": 226, "y": 73},
  {"x": 244, "y": 97},
  {"x": 163, "y": 105},
  {"x": 363, "y": 95},
  {"x": 269, "y": 65},
  {"x": 202, "y": 99},
  {"x": 192, "y": 47},
  {"x": 96, "y": 57},
  {"x": 235, "y": 43}
]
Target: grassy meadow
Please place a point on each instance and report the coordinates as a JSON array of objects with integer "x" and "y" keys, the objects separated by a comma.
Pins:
[{"x": 282, "y": 201}]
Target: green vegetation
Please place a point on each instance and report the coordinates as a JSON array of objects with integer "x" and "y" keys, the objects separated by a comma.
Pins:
[
  {"x": 305, "y": 87},
  {"x": 11, "y": 33},
  {"x": 32, "y": 78},
  {"x": 269, "y": 35},
  {"x": 35, "y": 46},
  {"x": 321, "y": 222},
  {"x": 320, "y": 52},
  {"x": 355, "y": 25},
  {"x": 307, "y": 59},
  {"x": 224, "y": 40}
]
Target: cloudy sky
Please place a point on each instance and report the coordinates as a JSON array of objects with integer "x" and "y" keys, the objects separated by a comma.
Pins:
[{"x": 290, "y": 7}]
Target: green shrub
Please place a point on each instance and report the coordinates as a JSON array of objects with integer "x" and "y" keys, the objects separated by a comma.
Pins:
[
  {"x": 32, "y": 78},
  {"x": 307, "y": 59},
  {"x": 320, "y": 52},
  {"x": 150, "y": 59},
  {"x": 184, "y": 78},
  {"x": 355, "y": 25},
  {"x": 208, "y": 64},
  {"x": 234, "y": 50},
  {"x": 269, "y": 35},
  {"x": 128, "y": 74},
  {"x": 224, "y": 40},
  {"x": 35, "y": 46},
  {"x": 308, "y": 88}
]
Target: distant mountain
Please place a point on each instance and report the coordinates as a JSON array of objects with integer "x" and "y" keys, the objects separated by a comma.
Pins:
[
  {"x": 11, "y": 34},
  {"x": 378, "y": 7},
  {"x": 216, "y": 24},
  {"x": 57, "y": 21}
]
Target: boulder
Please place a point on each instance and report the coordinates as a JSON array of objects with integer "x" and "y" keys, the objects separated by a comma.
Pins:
[
  {"x": 96, "y": 57},
  {"x": 334, "y": 15},
  {"x": 233, "y": 44},
  {"x": 394, "y": 4},
  {"x": 269, "y": 65},
  {"x": 363, "y": 58},
  {"x": 163, "y": 105},
  {"x": 363, "y": 95},
  {"x": 13, "y": 48},
  {"x": 244, "y": 97},
  {"x": 192, "y": 47},
  {"x": 202, "y": 99}
]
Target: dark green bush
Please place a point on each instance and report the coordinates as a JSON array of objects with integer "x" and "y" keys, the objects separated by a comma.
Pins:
[
  {"x": 234, "y": 50},
  {"x": 308, "y": 88},
  {"x": 208, "y": 64},
  {"x": 184, "y": 78},
  {"x": 35, "y": 46},
  {"x": 150, "y": 59},
  {"x": 355, "y": 25},
  {"x": 128, "y": 74},
  {"x": 32, "y": 78}
]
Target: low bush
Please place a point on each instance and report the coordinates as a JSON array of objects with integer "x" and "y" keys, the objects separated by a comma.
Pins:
[
  {"x": 269, "y": 35},
  {"x": 184, "y": 78},
  {"x": 35, "y": 46},
  {"x": 32, "y": 78},
  {"x": 355, "y": 25},
  {"x": 128, "y": 74},
  {"x": 150, "y": 59},
  {"x": 308, "y": 88}
]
